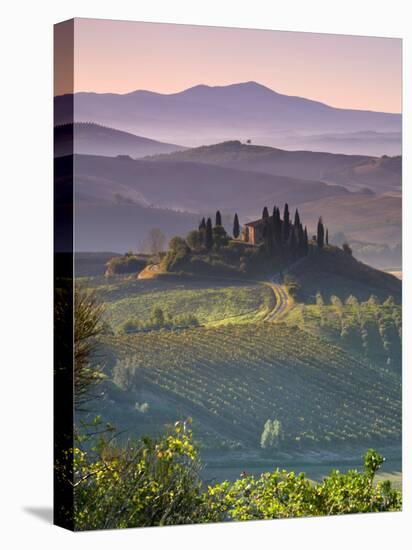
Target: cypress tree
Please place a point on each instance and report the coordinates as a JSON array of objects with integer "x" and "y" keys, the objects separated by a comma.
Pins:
[
  {"x": 218, "y": 218},
  {"x": 327, "y": 236},
  {"x": 209, "y": 234},
  {"x": 320, "y": 238},
  {"x": 265, "y": 213},
  {"x": 292, "y": 241},
  {"x": 202, "y": 224},
  {"x": 301, "y": 239},
  {"x": 274, "y": 223},
  {"x": 286, "y": 224},
  {"x": 296, "y": 223},
  {"x": 278, "y": 228},
  {"x": 236, "y": 227},
  {"x": 306, "y": 241}
]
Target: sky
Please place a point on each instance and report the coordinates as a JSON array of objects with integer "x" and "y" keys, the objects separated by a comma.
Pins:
[{"x": 340, "y": 70}]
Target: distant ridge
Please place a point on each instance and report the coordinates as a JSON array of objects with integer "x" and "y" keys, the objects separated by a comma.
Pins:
[
  {"x": 356, "y": 172},
  {"x": 207, "y": 114},
  {"x": 97, "y": 139}
]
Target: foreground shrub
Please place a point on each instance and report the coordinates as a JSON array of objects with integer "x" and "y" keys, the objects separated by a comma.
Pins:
[
  {"x": 157, "y": 482},
  {"x": 283, "y": 494}
]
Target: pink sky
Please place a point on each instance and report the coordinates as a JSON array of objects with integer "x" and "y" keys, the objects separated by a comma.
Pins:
[{"x": 342, "y": 71}]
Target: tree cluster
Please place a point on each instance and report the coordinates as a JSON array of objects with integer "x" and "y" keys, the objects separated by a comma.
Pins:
[
  {"x": 283, "y": 236},
  {"x": 208, "y": 236}
]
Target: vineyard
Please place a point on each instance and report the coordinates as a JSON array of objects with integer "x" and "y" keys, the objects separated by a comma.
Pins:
[
  {"x": 231, "y": 379},
  {"x": 370, "y": 329}
]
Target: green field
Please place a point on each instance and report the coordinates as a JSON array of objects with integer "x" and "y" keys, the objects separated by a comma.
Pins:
[{"x": 211, "y": 301}]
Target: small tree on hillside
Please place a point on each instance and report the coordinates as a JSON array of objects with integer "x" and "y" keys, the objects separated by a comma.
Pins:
[
  {"x": 178, "y": 245},
  {"x": 220, "y": 237},
  {"x": 296, "y": 223},
  {"x": 320, "y": 238},
  {"x": 218, "y": 220},
  {"x": 272, "y": 434},
  {"x": 347, "y": 249},
  {"x": 156, "y": 241},
  {"x": 319, "y": 299},
  {"x": 301, "y": 239},
  {"x": 236, "y": 227},
  {"x": 285, "y": 224},
  {"x": 157, "y": 318},
  {"x": 278, "y": 227},
  {"x": 305, "y": 241},
  {"x": 265, "y": 213},
  {"x": 209, "y": 234},
  {"x": 202, "y": 224},
  {"x": 195, "y": 239},
  {"x": 292, "y": 240}
]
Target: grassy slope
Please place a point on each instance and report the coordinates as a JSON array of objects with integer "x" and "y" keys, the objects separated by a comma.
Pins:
[
  {"x": 211, "y": 301},
  {"x": 335, "y": 273}
]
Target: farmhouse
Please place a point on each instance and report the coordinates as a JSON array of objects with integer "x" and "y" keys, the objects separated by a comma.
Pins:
[{"x": 253, "y": 231}]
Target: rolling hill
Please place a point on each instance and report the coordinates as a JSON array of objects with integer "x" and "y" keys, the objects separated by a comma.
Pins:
[
  {"x": 119, "y": 200},
  {"x": 352, "y": 171},
  {"x": 335, "y": 273},
  {"x": 172, "y": 194},
  {"x": 380, "y": 174},
  {"x": 208, "y": 114},
  {"x": 95, "y": 139},
  {"x": 361, "y": 217},
  {"x": 350, "y": 143},
  {"x": 195, "y": 186}
]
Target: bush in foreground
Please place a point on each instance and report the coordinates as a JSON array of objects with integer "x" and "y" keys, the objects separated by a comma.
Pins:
[{"x": 157, "y": 482}]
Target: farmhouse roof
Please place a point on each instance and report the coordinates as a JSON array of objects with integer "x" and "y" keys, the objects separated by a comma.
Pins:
[{"x": 257, "y": 222}]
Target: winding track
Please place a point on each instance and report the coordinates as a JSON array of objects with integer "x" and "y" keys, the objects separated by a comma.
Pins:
[{"x": 282, "y": 299}]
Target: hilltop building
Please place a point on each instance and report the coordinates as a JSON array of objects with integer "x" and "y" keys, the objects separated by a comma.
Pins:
[{"x": 252, "y": 232}]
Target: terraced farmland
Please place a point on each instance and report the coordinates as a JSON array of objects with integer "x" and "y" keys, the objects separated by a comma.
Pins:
[{"x": 232, "y": 378}]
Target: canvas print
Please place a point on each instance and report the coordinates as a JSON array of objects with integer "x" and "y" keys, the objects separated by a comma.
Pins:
[{"x": 227, "y": 274}]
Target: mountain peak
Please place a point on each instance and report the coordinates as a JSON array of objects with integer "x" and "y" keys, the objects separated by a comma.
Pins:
[{"x": 252, "y": 84}]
